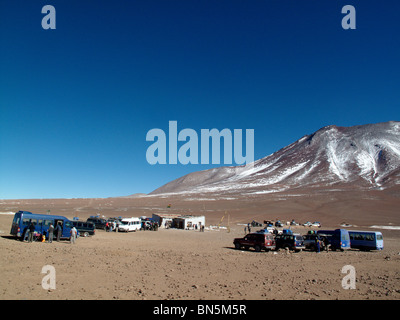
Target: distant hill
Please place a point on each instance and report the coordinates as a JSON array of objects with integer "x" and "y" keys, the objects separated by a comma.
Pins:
[
  {"x": 361, "y": 157},
  {"x": 135, "y": 195}
]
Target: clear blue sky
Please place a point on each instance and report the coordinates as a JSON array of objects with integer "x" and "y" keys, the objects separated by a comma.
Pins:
[{"x": 76, "y": 102}]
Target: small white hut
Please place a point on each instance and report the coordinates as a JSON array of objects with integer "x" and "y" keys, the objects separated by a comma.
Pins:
[
  {"x": 164, "y": 220},
  {"x": 189, "y": 222}
]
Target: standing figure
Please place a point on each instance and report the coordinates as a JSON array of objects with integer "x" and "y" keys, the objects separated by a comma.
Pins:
[
  {"x": 73, "y": 232},
  {"x": 51, "y": 233},
  {"x": 31, "y": 232},
  {"x": 59, "y": 231},
  {"x": 318, "y": 245}
]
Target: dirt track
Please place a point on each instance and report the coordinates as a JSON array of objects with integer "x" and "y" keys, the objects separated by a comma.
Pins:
[{"x": 180, "y": 264}]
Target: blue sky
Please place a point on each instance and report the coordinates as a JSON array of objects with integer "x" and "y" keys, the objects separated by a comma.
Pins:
[{"x": 76, "y": 102}]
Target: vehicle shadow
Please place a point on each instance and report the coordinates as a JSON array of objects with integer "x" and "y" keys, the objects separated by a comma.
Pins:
[
  {"x": 13, "y": 238},
  {"x": 230, "y": 248},
  {"x": 243, "y": 250},
  {"x": 10, "y": 237}
]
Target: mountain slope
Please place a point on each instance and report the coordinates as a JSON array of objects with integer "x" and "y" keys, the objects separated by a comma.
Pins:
[{"x": 365, "y": 156}]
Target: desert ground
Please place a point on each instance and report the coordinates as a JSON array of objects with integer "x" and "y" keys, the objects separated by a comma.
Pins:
[{"x": 187, "y": 264}]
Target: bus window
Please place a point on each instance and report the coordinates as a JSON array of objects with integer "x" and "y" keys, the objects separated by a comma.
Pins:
[
  {"x": 47, "y": 223},
  {"x": 27, "y": 221},
  {"x": 359, "y": 237},
  {"x": 379, "y": 237},
  {"x": 16, "y": 219},
  {"x": 369, "y": 237},
  {"x": 68, "y": 224}
]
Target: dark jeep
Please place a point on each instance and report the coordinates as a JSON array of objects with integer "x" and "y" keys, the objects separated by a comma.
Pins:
[
  {"x": 258, "y": 241},
  {"x": 291, "y": 241}
]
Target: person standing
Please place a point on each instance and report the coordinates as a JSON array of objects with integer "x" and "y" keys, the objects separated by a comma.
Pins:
[
  {"x": 26, "y": 233},
  {"x": 318, "y": 245},
  {"x": 326, "y": 244},
  {"x": 31, "y": 231},
  {"x": 51, "y": 233},
  {"x": 73, "y": 232},
  {"x": 59, "y": 231}
]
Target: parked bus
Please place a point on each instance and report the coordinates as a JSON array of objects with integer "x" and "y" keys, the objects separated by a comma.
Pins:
[
  {"x": 366, "y": 240},
  {"x": 339, "y": 239},
  {"x": 22, "y": 220}
]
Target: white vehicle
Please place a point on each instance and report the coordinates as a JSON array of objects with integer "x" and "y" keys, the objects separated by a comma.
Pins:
[{"x": 130, "y": 224}]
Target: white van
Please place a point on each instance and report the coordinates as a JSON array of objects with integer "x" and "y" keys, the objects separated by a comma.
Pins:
[{"x": 130, "y": 224}]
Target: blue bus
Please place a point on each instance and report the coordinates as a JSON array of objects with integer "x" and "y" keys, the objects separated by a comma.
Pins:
[
  {"x": 339, "y": 239},
  {"x": 366, "y": 240},
  {"x": 23, "y": 219}
]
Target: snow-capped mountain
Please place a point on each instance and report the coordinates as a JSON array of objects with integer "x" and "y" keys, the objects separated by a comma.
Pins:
[{"x": 365, "y": 156}]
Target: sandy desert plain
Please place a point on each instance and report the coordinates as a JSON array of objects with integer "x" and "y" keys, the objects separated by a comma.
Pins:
[{"x": 191, "y": 265}]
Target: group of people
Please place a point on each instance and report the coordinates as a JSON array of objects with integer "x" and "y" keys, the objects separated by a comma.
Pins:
[
  {"x": 111, "y": 226},
  {"x": 150, "y": 225},
  {"x": 247, "y": 229},
  {"x": 322, "y": 244},
  {"x": 30, "y": 233},
  {"x": 200, "y": 226}
]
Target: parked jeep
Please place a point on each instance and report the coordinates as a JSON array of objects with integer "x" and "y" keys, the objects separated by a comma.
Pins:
[
  {"x": 98, "y": 222},
  {"x": 85, "y": 228},
  {"x": 291, "y": 241},
  {"x": 258, "y": 241}
]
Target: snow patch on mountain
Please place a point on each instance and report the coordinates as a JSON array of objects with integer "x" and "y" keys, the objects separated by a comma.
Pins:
[{"x": 368, "y": 156}]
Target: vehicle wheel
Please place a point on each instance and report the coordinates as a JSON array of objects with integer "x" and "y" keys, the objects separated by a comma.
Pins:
[
  {"x": 86, "y": 234},
  {"x": 237, "y": 246},
  {"x": 257, "y": 248}
]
